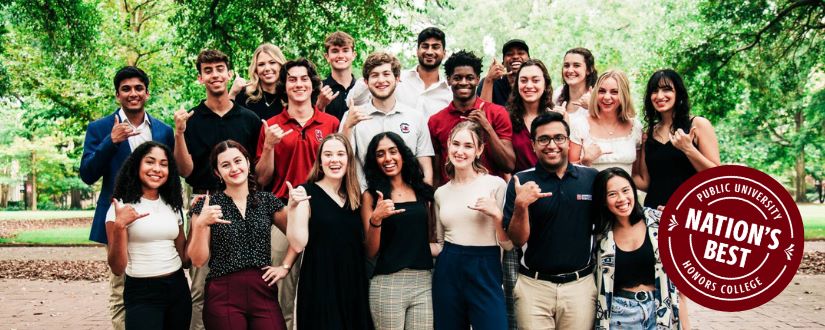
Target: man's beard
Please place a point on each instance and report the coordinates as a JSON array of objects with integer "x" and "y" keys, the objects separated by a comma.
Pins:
[{"x": 427, "y": 66}]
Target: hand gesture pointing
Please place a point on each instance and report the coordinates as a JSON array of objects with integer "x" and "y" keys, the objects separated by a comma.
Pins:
[
  {"x": 528, "y": 193},
  {"x": 122, "y": 131},
  {"x": 488, "y": 205},
  {"x": 125, "y": 215},
  {"x": 296, "y": 195},
  {"x": 385, "y": 208},
  {"x": 181, "y": 117},
  {"x": 211, "y": 214},
  {"x": 274, "y": 134}
]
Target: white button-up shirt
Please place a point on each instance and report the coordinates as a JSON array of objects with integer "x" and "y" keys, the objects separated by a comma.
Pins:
[{"x": 144, "y": 128}]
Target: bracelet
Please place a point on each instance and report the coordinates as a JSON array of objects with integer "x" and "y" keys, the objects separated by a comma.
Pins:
[{"x": 374, "y": 225}]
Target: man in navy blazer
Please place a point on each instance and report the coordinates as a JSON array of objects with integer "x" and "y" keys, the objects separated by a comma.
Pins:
[{"x": 109, "y": 141}]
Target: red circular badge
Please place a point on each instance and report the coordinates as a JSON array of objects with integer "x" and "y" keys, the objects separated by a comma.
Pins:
[{"x": 731, "y": 238}]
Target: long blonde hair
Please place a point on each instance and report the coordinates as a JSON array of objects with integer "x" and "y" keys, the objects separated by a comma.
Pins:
[
  {"x": 350, "y": 186},
  {"x": 254, "y": 91},
  {"x": 626, "y": 110}
]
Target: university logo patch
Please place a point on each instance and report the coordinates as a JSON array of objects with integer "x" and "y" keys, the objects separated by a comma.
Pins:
[
  {"x": 405, "y": 128},
  {"x": 584, "y": 197},
  {"x": 319, "y": 135}
]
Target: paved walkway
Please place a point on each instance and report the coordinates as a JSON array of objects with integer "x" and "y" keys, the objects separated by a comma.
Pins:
[{"x": 40, "y": 304}]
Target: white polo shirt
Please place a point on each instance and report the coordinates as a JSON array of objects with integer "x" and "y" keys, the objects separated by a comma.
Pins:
[
  {"x": 408, "y": 123},
  {"x": 410, "y": 91}
]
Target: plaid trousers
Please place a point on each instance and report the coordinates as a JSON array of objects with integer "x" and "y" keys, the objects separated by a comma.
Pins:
[{"x": 402, "y": 300}]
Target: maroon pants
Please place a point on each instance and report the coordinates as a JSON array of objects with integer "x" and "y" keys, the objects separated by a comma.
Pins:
[{"x": 242, "y": 300}]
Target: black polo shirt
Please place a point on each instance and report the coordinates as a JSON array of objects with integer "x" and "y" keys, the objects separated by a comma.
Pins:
[
  {"x": 205, "y": 129},
  {"x": 267, "y": 107},
  {"x": 501, "y": 90},
  {"x": 339, "y": 105},
  {"x": 561, "y": 237}
]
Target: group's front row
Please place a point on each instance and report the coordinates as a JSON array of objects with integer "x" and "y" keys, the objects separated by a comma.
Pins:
[{"x": 401, "y": 223}]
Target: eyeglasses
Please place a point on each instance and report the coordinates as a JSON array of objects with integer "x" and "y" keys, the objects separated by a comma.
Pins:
[{"x": 545, "y": 139}]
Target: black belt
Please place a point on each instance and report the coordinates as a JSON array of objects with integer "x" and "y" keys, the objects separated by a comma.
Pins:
[
  {"x": 557, "y": 278},
  {"x": 640, "y": 296}
]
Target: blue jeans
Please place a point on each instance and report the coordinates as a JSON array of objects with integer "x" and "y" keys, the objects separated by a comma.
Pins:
[{"x": 628, "y": 313}]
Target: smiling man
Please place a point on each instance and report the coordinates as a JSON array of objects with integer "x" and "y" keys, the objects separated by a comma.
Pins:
[
  {"x": 498, "y": 83},
  {"x": 463, "y": 70},
  {"x": 340, "y": 51},
  {"x": 198, "y": 130},
  {"x": 547, "y": 211},
  {"x": 109, "y": 141},
  {"x": 384, "y": 114}
]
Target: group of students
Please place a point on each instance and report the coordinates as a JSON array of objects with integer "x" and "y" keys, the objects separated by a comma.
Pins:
[{"x": 400, "y": 200}]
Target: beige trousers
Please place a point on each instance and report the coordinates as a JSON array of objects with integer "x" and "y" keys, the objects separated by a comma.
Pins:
[{"x": 545, "y": 305}]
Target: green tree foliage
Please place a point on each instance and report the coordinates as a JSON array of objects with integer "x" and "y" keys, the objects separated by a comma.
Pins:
[{"x": 756, "y": 64}]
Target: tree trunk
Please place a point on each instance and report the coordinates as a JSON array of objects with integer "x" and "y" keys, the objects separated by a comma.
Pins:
[
  {"x": 800, "y": 178},
  {"x": 34, "y": 182},
  {"x": 76, "y": 197}
]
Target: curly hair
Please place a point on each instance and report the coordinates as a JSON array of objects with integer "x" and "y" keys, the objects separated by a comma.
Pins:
[
  {"x": 213, "y": 160},
  {"x": 411, "y": 171},
  {"x": 462, "y": 58},
  {"x": 280, "y": 88},
  {"x": 515, "y": 105},
  {"x": 667, "y": 78},
  {"x": 129, "y": 188}
]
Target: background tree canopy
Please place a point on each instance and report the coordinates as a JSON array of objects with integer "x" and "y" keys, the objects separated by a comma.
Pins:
[{"x": 755, "y": 68}]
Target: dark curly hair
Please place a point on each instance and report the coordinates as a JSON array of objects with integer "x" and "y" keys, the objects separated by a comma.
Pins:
[
  {"x": 411, "y": 171},
  {"x": 462, "y": 58},
  {"x": 129, "y": 188},
  {"x": 602, "y": 218},
  {"x": 280, "y": 87},
  {"x": 213, "y": 161},
  {"x": 589, "y": 78},
  {"x": 515, "y": 106},
  {"x": 667, "y": 78}
]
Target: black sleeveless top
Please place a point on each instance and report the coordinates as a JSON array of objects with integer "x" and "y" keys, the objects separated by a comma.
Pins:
[
  {"x": 667, "y": 167},
  {"x": 635, "y": 267},
  {"x": 267, "y": 107},
  {"x": 405, "y": 240}
]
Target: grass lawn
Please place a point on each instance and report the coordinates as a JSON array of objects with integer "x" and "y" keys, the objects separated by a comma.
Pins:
[
  {"x": 52, "y": 236},
  {"x": 44, "y": 215},
  {"x": 813, "y": 216}
]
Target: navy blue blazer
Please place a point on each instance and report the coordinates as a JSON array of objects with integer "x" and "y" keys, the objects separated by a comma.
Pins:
[{"x": 103, "y": 158}]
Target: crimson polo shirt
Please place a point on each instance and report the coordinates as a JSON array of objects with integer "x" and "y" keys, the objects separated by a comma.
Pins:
[
  {"x": 295, "y": 154},
  {"x": 442, "y": 123}
]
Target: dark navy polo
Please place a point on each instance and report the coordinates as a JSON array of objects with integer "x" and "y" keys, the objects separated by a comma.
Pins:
[
  {"x": 205, "y": 129},
  {"x": 561, "y": 237}
]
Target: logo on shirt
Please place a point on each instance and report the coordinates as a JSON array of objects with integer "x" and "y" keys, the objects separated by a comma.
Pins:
[
  {"x": 405, "y": 128},
  {"x": 584, "y": 197},
  {"x": 319, "y": 135}
]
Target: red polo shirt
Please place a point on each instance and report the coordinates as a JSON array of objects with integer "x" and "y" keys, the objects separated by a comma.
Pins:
[
  {"x": 295, "y": 154},
  {"x": 442, "y": 123}
]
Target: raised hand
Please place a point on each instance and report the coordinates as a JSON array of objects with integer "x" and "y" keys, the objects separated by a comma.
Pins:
[
  {"x": 274, "y": 134},
  {"x": 296, "y": 195},
  {"x": 682, "y": 141},
  {"x": 125, "y": 215},
  {"x": 355, "y": 116},
  {"x": 181, "y": 117},
  {"x": 273, "y": 274},
  {"x": 211, "y": 214},
  {"x": 496, "y": 71},
  {"x": 238, "y": 85},
  {"x": 480, "y": 117},
  {"x": 528, "y": 193},
  {"x": 488, "y": 205},
  {"x": 122, "y": 131},
  {"x": 583, "y": 101},
  {"x": 592, "y": 152},
  {"x": 325, "y": 97},
  {"x": 385, "y": 208}
]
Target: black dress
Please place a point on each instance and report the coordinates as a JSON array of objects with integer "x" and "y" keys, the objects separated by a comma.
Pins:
[
  {"x": 333, "y": 290},
  {"x": 667, "y": 167},
  {"x": 267, "y": 107}
]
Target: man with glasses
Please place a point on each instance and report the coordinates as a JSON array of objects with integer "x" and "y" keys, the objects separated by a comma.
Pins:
[{"x": 547, "y": 212}]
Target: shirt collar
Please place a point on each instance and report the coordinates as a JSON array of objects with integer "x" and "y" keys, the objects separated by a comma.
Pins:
[
  {"x": 441, "y": 79},
  {"x": 332, "y": 83},
  {"x": 478, "y": 104},
  {"x": 316, "y": 117},
  {"x": 398, "y": 108},
  {"x": 571, "y": 171},
  {"x": 121, "y": 114}
]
